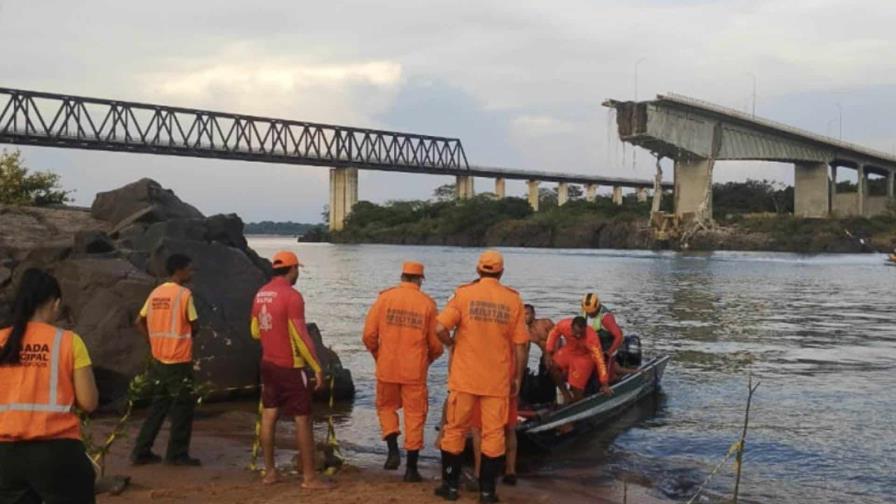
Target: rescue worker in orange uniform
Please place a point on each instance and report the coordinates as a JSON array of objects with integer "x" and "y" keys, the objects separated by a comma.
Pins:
[
  {"x": 602, "y": 320},
  {"x": 170, "y": 322},
  {"x": 576, "y": 360},
  {"x": 490, "y": 331},
  {"x": 400, "y": 333},
  {"x": 510, "y": 441},
  {"x": 278, "y": 321},
  {"x": 44, "y": 373}
]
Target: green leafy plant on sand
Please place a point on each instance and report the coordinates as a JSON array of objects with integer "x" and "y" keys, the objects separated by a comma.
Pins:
[
  {"x": 18, "y": 186},
  {"x": 140, "y": 389}
]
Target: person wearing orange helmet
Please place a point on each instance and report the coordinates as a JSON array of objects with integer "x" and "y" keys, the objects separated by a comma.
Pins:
[
  {"x": 602, "y": 320},
  {"x": 400, "y": 333},
  {"x": 490, "y": 332},
  {"x": 278, "y": 321}
]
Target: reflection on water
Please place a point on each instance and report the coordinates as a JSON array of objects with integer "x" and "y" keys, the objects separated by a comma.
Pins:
[{"x": 817, "y": 331}]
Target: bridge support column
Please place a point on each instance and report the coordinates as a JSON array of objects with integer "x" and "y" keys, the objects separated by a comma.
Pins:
[
  {"x": 500, "y": 188},
  {"x": 533, "y": 194},
  {"x": 891, "y": 178},
  {"x": 464, "y": 187},
  {"x": 862, "y": 189},
  {"x": 590, "y": 192},
  {"x": 562, "y": 193},
  {"x": 343, "y": 195},
  {"x": 833, "y": 191},
  {"x": 617, "y": 195},
  {"x": 811, "y": 190},
  {"x": 693, "y": 179},
  {"x": 642, "y": 194}
]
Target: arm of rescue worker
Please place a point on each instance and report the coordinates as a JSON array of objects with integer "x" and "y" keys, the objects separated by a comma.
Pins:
[
  {"x": 141, "y": 320},
  {"x": 299, "y": 332},
  {"x": 448, "y": 320},
  {"x": 551, "y": 344},
  {"x": 433, "y": 343},
  {"x": 371, "y": 336},
  {"x": 609, "y": 323},
  {"x": 592, "y": 342},
  {"x": 520, "y": 340},
  {"x": 86, "y": 395},
  {"x": 192, "y": 316}
]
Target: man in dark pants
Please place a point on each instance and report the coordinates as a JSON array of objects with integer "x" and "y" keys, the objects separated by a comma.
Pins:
[{"x": 169, "y": 320}]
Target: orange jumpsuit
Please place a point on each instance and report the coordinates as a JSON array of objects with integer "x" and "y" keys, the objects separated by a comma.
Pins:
[
  {"x": 400, "y": 332},
  {"x": 578, "y": 357},
  {"x": 489, "y": 319}
]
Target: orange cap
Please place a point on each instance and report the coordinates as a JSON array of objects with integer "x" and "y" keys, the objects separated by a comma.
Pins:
[
  {"x": 491, "y": 261},
  {"x": 285, "y": 259},
  {"x": 412, "y": 268}
]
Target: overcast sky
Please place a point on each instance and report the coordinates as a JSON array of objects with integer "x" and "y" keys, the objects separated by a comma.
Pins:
[{"x": 520, "y": 82}]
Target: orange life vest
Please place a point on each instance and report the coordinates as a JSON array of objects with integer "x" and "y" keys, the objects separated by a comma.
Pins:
[
  {"x": 36, "y": 395},
  {"x": 169, "y": 330}
]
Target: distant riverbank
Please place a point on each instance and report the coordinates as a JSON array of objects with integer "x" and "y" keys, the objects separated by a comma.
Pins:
[{"x": 485, "y": 221}]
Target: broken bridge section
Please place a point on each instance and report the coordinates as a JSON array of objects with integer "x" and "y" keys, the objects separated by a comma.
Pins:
[{"x": 695, "y": 134}]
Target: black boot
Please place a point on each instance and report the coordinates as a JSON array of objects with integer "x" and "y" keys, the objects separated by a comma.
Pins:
[
  {"x": 393, "y": 460},
  {"x": 488, "y": 474},
  {"x": 450, "y": 476},
  {"x": 411, "y": 475}
]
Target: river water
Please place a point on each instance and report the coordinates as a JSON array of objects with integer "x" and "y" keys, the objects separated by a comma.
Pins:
[{"x": 818, "y": 332}]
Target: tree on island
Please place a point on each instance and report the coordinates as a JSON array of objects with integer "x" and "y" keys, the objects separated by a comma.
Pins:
[
  {"x": 18, "y": 186},
  {"x": 445, "y": 192}
]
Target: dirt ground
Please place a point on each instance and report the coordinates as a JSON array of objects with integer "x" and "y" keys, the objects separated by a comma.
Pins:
[{"x": 223, "y": 444}]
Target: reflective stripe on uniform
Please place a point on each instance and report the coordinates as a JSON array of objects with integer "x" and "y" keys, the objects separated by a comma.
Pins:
[
  {"x": 172, "y": 332},
  {"x": 51, "y": 405}
]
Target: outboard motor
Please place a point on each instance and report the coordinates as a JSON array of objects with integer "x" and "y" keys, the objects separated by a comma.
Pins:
[{"x": 629, "y": 355}]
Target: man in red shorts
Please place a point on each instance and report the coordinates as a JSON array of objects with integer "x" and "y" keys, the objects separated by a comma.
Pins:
[
  {"x": 278, "y": 320},
  {"x": 576, "y": 360}
]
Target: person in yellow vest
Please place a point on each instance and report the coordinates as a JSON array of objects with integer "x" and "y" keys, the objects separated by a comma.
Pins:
[
  {"x": 170, "y": 322},
  {"x": 45, "y": 372}
]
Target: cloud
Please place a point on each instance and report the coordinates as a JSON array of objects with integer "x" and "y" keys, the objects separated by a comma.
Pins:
[{"x": 520, "y": 82}]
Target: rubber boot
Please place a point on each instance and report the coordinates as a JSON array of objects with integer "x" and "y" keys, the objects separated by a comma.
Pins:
[
  {"x": 393, "y": 460},
  {"x": 488, "y": 474},
  {"x": 450, "y": 476},
  {"x": 411, "y": 475}
]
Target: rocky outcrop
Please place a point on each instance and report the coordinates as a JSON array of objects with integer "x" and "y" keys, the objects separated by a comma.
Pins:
[{"x": 109, "y": 258}]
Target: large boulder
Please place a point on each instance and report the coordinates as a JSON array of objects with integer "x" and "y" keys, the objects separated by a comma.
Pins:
[
  {"x": 109, "y": 259},
  {"x": 140, "y": 197}
]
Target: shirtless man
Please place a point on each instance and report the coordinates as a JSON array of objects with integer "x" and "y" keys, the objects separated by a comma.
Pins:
[{"x": 538, "y": 329}]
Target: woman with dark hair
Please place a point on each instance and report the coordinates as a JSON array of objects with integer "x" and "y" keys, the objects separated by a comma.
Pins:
[{"x": 45, "y": 372}]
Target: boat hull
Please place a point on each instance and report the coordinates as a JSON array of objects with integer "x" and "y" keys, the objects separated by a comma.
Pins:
[{"x": 545, "y": 433}]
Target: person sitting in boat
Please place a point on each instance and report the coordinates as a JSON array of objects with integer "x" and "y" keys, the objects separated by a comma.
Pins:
[
  {"x": 602, "y": 320},
  {"x": 574, "y": 363}
]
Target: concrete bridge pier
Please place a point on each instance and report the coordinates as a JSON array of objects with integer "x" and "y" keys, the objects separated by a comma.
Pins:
[
  {"x": 562, "y": 193},
  {"x": 862, "y": 189},
  {"x": 500, "y": 188},
  {"x": 642, "y": 194},
  {"x": 533, "y": 194},
  {"x": 891, "y": 177},
  {"x": 590, "y": 192},
  {"x": 617, "y": 195},
  {"x": 693, "y": 179},
  {"x": 343, "y": 195},
  {"x": 464, "y": 187},
  {"x": 811, "y": 190}
]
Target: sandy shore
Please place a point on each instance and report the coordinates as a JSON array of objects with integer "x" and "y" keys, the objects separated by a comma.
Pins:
[{"x": 223, "y": 440}]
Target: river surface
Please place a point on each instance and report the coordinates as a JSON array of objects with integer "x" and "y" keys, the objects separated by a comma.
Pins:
[{"x": 818, "y": 332}]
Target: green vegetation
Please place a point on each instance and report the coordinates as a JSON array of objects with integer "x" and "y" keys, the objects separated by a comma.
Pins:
[
  {"x": 279, "y": 228},
  {"x": 18, "y": 186}
]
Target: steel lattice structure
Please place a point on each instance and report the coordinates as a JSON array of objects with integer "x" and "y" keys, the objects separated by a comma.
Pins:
[{"x": 56, "y": 120}]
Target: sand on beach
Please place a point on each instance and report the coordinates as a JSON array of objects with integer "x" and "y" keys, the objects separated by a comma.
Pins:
[{"x": 223, "y": 441}]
